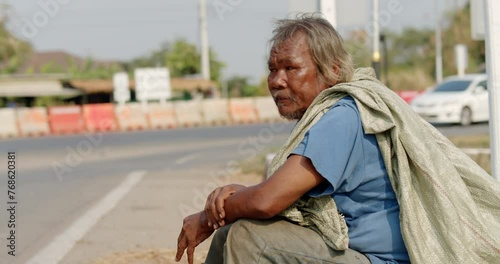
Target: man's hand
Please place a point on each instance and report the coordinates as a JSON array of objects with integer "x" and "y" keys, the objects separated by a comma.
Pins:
[
  {"x": 214, "y": 207},
  {"x": 194, "y": 231}
]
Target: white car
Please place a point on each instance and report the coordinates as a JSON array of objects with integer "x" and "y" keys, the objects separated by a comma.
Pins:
[{"x": 461, "y": 100}]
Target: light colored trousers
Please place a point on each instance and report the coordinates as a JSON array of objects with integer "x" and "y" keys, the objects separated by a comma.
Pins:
[{"x": 274, "y": 241}]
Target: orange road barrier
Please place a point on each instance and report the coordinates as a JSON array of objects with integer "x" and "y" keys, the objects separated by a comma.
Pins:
[
  {"x": 99, "y": 117},
  {"x": 408, "y": 96},
  {"x": 32, "y": 121},
  {"x": 242, "y": 110},
  {"x": 66, "y": 120}
]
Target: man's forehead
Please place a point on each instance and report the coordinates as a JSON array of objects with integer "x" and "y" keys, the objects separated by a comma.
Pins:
[{"x": 292, "y": 47}]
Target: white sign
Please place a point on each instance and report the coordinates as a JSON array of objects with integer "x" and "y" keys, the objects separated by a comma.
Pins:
[
  {"x": 461, "y": 59},
  {"x": 477, "y": 18},
  {"x": 329, "y": 10},
  {"x": 121, "y": 93},
  {"x": 152, "y": 84}
]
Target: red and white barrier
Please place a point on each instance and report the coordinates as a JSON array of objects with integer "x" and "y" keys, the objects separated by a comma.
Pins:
[
  {"x": 408, "y": 96},
  {"x": 66, "y": 120},
  {"x": 99, "y": 117}
]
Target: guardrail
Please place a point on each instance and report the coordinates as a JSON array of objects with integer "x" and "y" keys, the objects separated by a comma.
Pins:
[{"x": 40, "y": 121}]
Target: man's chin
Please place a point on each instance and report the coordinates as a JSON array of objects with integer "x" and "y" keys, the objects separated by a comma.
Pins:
[{"x": 294, "y": 115}]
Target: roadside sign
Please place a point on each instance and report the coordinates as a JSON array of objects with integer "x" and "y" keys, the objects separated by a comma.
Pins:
[
  {"x": 121, "y": 92},
  {"x": 152, "y": 84},
  {"x": 329, "y": 10},
  {"x": 461, "y": 58},
  {"x": 477, "y": 18}
]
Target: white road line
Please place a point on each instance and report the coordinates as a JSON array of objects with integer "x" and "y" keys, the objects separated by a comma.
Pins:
[
  {"x": 62, "y": 244},
  {"x": 185, "y": 159}
]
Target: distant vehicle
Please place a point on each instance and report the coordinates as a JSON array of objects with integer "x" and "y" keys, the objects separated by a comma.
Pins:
[{"x": 462, "y": 100}]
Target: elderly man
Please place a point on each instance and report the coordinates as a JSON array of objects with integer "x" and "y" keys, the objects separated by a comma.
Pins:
[{"x": 330, "y": 196}]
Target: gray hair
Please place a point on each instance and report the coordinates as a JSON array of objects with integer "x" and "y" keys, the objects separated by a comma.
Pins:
[{"x": 325, "y": 44}]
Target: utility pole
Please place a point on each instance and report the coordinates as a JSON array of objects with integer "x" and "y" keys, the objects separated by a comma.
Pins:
[
  {"x": 329, "y": 10},
  {"x": 492, "y": 41},
  {"x": 376, "y": 38},
  {"x": 205, "y": 59},
  {"x": 439, "y": 45}
]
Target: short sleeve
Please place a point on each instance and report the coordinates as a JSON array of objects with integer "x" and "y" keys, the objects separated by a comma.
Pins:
[{"x": 334, "y": 146}]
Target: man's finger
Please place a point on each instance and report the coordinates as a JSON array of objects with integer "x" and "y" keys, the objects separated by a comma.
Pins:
[
  {"x": 190, "y": 253},
  {"x": 210, "y": 220},
  {"x": 209, "y": 198},
  {"x": 181, "y": 235},
  {"x": 219, "y": 204},
  {"x": 213, "y": 210},
  {"x": 208, "y": 207},
  {"x": 181, "y": 246}
]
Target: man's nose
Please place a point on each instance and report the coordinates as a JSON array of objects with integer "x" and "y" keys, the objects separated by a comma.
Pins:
[{"x": 278, "y": 80}]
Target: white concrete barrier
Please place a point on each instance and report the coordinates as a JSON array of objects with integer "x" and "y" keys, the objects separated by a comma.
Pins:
[
  {"x": 215, "y": 111},
  {"x": 161, "y": 116},
  {"x": 8, "y": 127},
  {"x": 267, "y": 110},
  {"x": 131, "y": 116},
  {"x": 188, "y": 113}
]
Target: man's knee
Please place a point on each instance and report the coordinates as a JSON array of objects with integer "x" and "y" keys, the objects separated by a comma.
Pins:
[
  {"x": 245, "y": 241},
  {"x": 244, "y": 231}
]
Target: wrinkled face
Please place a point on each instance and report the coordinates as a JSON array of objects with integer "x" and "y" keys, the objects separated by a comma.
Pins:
[{"x": 293, "y": 77}]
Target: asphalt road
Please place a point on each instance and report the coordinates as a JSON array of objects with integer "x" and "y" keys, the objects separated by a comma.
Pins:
[
  {"x": 60, "y": 178},
  {"x": 67, "y": 186}
]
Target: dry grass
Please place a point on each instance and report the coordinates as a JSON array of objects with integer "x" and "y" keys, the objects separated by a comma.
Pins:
[
  {"x": 405, "y": 80},
  {"x": 148, "y": 256},
  {"x": 479, "y": 141}
]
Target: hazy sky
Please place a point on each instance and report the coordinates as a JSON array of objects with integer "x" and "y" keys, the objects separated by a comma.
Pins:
[{"x": 238, "y": 29}]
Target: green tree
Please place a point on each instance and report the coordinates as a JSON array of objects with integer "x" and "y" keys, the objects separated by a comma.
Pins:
[
  {"x": 13, "y": 51},
  {"x": 358, "y": 45},
  {"x": 238, "y": 86},
  {"x": 181, "y": 57},
  {"x": 458, "y": 31},
  {"x": 412, "y": 53}
]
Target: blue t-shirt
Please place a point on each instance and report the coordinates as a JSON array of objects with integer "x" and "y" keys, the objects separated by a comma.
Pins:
[{"x": 357, "y": 179}]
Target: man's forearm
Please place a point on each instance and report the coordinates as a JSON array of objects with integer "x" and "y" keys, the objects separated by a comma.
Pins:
[
  {"x": 247, "y": 203},
  {"x": 276, "y": 193}
]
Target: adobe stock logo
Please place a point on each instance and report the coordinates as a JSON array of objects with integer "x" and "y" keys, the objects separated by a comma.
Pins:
[
  {"x": 225, "y": 6},
  {"x": 49, "y": 9}
]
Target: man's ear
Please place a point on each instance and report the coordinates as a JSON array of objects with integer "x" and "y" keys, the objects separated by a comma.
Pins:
[{"x": 336, "y": 70}]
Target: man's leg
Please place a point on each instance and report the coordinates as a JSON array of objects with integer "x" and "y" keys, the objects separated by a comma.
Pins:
[
  {"x": 278, "y": 241},
  {"x": 216, "y": 251}
]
